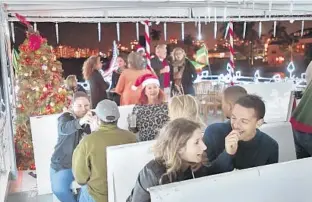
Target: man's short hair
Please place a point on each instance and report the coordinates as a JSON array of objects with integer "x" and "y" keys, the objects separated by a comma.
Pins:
[
  {"x": 161, "y": 46},
  {"x": 80, "y": 94},
  {"x": 233, "y": 93},
  {"x": 253, "y": 102}
]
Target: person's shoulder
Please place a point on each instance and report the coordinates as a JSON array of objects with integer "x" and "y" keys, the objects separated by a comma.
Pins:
[
  {"x": 268, "y": 140},
  {"x": 130, "y": 136},
  {"x": 218, "y": 129},
  {"x": 66, "y": 115},
  {"x": 154, "y": 167}
]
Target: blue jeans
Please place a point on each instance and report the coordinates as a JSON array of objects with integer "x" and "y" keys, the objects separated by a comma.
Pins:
[
  {"x": 84, "y": 195},
  {"x": 303, "y": 143},
  {"x": 61, "y": 182}
]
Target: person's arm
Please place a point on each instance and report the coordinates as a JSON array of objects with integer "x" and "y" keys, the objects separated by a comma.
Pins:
[
  {"x": 68, "y": 124},
  {"x": 146, "y": 179},
  {"x": 94, "y": 89},
  {"x": 120, "y": 84},
  {"x": 273, "y": 158},
  {"x": 81, "y": 164},
  {"x": 218, "y": 163},
  {"x": 193, "y": 71}
]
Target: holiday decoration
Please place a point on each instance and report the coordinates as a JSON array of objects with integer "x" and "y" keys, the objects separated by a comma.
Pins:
[
  {"x": 260, "y": 29},
  {"x": 35, "y": 26},
  {"x": 291, "y": 68},
  {"x": 63, "y": 51},
  {"x": 215, "y": 23},
  {"x": 165, "y": 31},
  {"x": 99, "y": 31},
  {"x": 302, "y": 27},
  {"x": 137, "y": 31},
  {"x": 148, "y": 43},
  {"x": 274, "y": 29},
  {"x": 39, "y": 92},
  {"x": 199, "y": 37},
  {"x": 244, "y": 31},
  {"x": 118, "y": 31},
  {"x": 182, "y": 31},
  {"x": 12, "y": 32},
  {"x": 113, "y": 66},
  {"x": 57, "y": 33}
]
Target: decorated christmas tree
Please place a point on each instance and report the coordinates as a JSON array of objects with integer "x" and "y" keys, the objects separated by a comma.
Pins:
[{"x": 39, "y": 90}]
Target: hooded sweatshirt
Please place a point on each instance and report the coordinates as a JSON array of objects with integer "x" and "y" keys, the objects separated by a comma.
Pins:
[{"x": 301, "y": 119}]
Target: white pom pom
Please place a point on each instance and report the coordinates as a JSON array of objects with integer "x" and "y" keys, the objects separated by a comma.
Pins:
[{"x": 133, "y": 87}]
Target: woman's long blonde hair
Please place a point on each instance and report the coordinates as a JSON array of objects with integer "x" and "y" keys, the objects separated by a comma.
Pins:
[
  {"x": 89, "y": 66},
  {"x": 173, "y": 53},
  {"x": 185, "y": 106},
  {"x": 71, "y": 82},
  {"x": 172, "y": 138}
]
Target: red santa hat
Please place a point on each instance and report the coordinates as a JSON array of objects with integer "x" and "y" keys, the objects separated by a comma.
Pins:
[
  {"x": 139, "y": 48},
  {"x": 145, "y": 80}
]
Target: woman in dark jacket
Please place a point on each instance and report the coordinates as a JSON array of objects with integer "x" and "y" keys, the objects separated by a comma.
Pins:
[
  {"x": 179, "y": 155},
  {"x": 122, "y": 65},
  {"x": 182, "y": 73},
  {"x": 91, "y": 73}
]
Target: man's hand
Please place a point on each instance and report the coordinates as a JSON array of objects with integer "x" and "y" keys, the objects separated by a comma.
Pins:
[
  {"x": 231, "y": 142},
  {"x": 87, "y": 119}
]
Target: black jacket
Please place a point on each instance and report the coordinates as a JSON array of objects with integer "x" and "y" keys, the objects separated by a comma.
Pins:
[
  {"x": 150, "y": 177},
  {"x": 98, "y": 88},
  {"x": 188, "y": 77},
  {"x": 69, "y": 135}
]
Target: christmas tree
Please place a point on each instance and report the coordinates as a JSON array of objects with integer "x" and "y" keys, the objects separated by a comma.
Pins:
[{"x": 39, "y": 91}]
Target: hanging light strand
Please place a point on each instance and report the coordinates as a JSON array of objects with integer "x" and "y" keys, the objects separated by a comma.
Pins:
[
  {"x": 99, "y": 31},
  {"x": 137, "y": 30},
  {"x": 118, "y": 31},
  {"x": 165, "y": 31},
  {"x": 182, "y": 31},
  {"x": 57, "y": 33},
  {"x": 12, "y": 32}
]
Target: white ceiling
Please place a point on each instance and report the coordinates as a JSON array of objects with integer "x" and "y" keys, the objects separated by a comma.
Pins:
[{"x": 161, "y": 10}]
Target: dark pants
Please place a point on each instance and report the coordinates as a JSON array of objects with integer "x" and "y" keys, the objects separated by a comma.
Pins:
[{"x": 303, "y": 143}]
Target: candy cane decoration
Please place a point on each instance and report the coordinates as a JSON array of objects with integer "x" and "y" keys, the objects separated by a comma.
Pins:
[
  {"x": 146, "y": 24},
  {"x": 232, "y": 65}
]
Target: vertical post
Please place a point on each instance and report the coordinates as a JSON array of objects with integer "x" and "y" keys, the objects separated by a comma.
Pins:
[{"x": 5, "y": 63}]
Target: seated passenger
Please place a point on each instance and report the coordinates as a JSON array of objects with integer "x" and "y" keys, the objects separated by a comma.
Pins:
[
  {"x": 239, "y": 144},
  {"x": 179, "y": 148}
]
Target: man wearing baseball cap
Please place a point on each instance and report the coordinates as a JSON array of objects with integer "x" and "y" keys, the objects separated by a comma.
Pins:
[{"x": 89, "y": 165}]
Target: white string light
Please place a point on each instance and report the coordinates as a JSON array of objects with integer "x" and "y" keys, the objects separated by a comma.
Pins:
[
  {"x": 35, "y": 27},
  {"x": 199, "y": 31},
  {"x": 165, "y": 31},
  {"x": 260, "y": 29},
  {"x": 215, "y": 23},
  {"x": 118, "y": 31},
  {"x": 209, "y": 14},
  {"x": 13, "y": 32},
  {"x": 137, "y": 30},
  {"x": 57, "y": 33},
  {"x": 274, "y": 29},
  {"x": 182, "y": 31},
  {"x": 99, "y": 32},
  {"x": 244, "y": 31},
  {"x": 225, "y": 14},
  {"x": 302, "y": 27}
]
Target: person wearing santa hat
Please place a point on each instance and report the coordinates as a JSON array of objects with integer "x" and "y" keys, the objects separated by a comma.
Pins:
[
  {"x": 140, "y": 49},
  {"x": 152, "y": 111}
]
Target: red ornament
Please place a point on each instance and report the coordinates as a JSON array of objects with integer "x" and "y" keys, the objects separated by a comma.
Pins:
[{"x": 34, "y": 42}]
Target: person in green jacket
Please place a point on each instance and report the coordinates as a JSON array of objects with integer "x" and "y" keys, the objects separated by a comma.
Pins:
[
  {"x": 301, "y": 121},
  {"x": 89, "y": 158}
]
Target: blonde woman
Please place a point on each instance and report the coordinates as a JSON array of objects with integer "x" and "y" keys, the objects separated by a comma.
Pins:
[
  {"x": 136, "y": 68},
  {"x": 91, "y": 73},
  {"x": 71, "y": 84},
  {"x": 185, "y": 106},
  {"x": 178, "y": 147},
  {"x": 183, "y": 73}
]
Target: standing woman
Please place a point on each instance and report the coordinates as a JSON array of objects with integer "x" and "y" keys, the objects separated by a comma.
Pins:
[
  {"x": 152, "y": 111},
  {"x": 122, "y": 65},
  {"x": 183, "y": 73},
  {"x": 136, "y": 68},
  {"x": 98, "y": 86}
]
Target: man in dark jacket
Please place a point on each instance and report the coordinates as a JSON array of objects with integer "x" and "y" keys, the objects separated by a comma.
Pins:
[{"x": 71, "y": 127}]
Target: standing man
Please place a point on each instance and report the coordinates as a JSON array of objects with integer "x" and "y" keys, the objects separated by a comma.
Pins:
[{"x": 161, "y": 68}]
